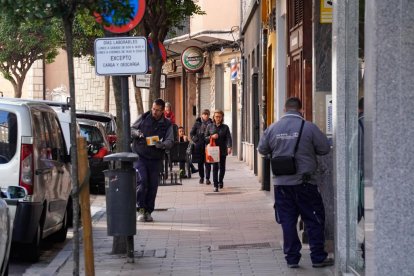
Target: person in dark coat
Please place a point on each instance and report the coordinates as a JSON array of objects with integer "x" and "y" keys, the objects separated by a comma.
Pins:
[
  {"x": 152, "y": 134},
  {"x": 198, "y": 154},
  {"x": 220, "y": 132}
]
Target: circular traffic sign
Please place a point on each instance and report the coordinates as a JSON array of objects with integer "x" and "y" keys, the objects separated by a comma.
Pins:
[{"x": 121, "y": 25}]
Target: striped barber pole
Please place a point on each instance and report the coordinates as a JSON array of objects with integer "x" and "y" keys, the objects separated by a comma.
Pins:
[{"x": 234, "y": 70}]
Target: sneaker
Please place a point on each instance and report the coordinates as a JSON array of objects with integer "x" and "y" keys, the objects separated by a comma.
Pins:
[
  {"x": 326, "y": 262},
  {"x": 148, "y": 217},
  {"x": 141, "y": 218},
  {"x": 221, "y": 185},
  {"x": 201, "y": 181},
  {"x": 293, "y": 265},
  {"x": 208, "y": 182},
  {"x": 216, "y": 189},
  {"x": 141, "y": 214}
]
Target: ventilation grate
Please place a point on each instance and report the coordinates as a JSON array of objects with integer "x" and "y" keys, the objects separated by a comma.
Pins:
[{"x": 245, "y": 246}]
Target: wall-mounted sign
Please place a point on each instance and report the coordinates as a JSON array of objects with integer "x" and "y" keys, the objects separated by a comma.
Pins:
[
  {"x": 326, "y": 11},
  {"x": 193, "y": 59},
  {"x": 328, "y": 114},
  {"x": 122, "y": 25},
  {"x": 121, "y": 56},
  {"x": 144, "y": 81}
]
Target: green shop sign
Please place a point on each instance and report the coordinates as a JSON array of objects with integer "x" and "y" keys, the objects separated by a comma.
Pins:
[{"x": 192, "y": 58}]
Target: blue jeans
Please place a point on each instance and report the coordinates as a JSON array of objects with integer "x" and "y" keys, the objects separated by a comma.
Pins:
[
  {"x": 148, "y": 171},
  {"x": 306, "y": 201}
]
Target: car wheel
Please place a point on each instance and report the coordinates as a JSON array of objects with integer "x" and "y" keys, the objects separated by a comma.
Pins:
[
  {"x": 60, "y": 236},
  {"x": 32, "y": 250}
]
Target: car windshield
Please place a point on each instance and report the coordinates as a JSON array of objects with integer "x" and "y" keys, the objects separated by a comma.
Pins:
[
  {"x": 92, "y": 134},
  {"x": 8, "y": 136}
]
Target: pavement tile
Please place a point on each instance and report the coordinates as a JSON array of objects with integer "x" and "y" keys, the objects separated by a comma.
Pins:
[{"x": 190, "y": 223}]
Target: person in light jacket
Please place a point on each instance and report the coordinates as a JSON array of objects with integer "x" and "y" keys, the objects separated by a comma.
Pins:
[
  {"x": 220, "y": 133},
  {"x": 298, "y": 194}
]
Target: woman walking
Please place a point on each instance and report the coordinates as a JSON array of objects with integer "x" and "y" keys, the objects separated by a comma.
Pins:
[
  {"x": 220, "y": 133},
  {"x": 198, "y": 154}
]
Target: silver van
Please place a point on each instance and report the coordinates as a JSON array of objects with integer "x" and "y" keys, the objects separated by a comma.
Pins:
[{"x": 33, "y": 155}]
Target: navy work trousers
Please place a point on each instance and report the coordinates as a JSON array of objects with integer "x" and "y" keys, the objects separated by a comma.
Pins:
[
  {"x": 148, "y": 171},
  {"x": 306, "y": 201}
]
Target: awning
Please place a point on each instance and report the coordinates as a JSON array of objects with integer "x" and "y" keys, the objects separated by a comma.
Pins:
[{"x": 209, "y": 40}]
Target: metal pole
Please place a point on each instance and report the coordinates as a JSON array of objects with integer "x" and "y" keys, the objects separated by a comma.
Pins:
[{"x": 126, "y": 121}]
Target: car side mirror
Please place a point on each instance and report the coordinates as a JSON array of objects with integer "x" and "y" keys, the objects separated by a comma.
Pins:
[{"x": 16, "y": 192}]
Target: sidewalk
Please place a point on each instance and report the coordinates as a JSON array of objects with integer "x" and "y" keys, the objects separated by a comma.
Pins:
[{"x": 199, "y": 232}]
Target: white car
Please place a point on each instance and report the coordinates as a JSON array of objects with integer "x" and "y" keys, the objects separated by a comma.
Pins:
[{"x": 33, "y": 155}]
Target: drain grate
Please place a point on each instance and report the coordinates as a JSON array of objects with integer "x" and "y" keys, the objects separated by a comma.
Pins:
[
  {"x": 245, "y": 246},
  {"x": 222, "y": 193},
  {"x": 160, "y": 209}
]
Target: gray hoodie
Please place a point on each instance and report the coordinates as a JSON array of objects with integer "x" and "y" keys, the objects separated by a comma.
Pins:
[{"x": 279, "y": 139}]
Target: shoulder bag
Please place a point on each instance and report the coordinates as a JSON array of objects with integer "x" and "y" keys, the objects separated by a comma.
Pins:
[{"x": 286, "y": 165}]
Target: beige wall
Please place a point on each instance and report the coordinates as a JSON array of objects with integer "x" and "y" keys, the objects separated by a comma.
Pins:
[{"x": 220, "y": 15}]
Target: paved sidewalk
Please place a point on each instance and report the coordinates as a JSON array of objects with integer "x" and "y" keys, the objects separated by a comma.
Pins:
[{"x": 199, "y": 232}]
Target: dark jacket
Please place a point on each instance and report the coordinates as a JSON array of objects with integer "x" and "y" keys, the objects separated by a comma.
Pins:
[
  {"x": 146, "y": 126},
  {"x": 224, "y": 140},
  {"x": 197, "y": 136},
  {"x": 279, "y": 139}
]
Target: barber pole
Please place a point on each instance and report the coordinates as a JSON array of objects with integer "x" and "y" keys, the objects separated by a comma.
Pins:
[{"x": 234, "y": 70}]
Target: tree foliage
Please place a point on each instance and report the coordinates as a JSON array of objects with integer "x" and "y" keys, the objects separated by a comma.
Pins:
[
  {"x": 22, "y": 43},
  {"x": 161, "y": 17}
]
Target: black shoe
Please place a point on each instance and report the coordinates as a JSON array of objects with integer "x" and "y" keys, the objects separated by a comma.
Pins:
[
  {"x": 326, "y": 262},
  {"x": 221, "y": 185},
  {"x": 194, "y": 171},
  {"x": 201, "y": 181},
  {"x": 216, "y": 189},
  {"x": 208, "y": 182}
]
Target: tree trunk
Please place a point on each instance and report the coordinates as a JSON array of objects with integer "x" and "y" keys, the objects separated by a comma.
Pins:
[
  {"x": 107, "y": 90},
  {"x": 156, "y": 65},
  {"x": 68, "y": 25},
  {"x": 18, "y": 85},
  {"x": 138, "y": 97}
]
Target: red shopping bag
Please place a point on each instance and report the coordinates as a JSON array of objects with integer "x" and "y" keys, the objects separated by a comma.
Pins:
[{"x": 212, "y": 152}]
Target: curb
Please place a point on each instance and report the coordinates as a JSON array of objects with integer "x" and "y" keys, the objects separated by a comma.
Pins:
[{"x": 63, "y": 256}]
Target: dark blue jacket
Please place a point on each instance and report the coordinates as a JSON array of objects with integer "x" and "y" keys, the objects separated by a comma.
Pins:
[{"x": 148, "y": 126}]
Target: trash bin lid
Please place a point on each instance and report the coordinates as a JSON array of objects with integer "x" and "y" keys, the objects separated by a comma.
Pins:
[{"x": 122, "y": 156}]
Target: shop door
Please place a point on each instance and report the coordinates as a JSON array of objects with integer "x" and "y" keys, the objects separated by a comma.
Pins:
[{"x": 299, "y": 83}]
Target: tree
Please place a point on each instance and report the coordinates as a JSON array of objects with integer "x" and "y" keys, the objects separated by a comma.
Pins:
[
  {"x": 66, "y": 11},
  {"x": 161, "y": 17},
  {"x": 24, "y": 42}
]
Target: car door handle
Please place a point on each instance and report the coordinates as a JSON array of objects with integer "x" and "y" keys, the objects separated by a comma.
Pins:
[{"x": 42, "y": 171}]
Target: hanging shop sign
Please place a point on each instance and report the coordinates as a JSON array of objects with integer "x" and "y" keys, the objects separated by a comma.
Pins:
[
  {"x": 123, "y": 25},
  {"x": 193, "y": 59}
]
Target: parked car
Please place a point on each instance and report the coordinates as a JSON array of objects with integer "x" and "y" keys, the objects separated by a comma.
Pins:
[
  {"x": 98, "y": 148},
  {"x": 5, "y": 237},
  {"x": 106, "y": 119},
  {"x": 9, "y": 199},
  {"x": 33, "y": 155}
]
